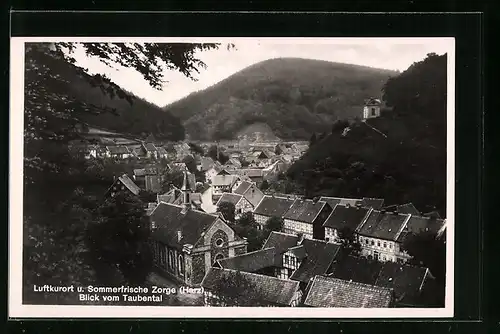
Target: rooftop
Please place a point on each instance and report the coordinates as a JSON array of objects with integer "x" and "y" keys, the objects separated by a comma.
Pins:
[
  {"x": 273, "y": 206},
  {"x": 350, "y": 217},
  {"x": 267, "y": 288},
  {"x": 127, "y": 182},
  {"x": 229, "y": 197},
  {"x": 252, "y": 261}
]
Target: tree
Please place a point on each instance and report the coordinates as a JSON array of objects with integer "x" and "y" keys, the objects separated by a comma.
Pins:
[
  {"x": 215, "y": 153},
  {"x": 235, "y": 289},
  {"x": 264, "y": 185},
  {"x": 120, "y": 239},
  {"x": 196, "y": 149},
  {"x": 190, "y": 163},
  {"x": 228, "y": 210},
  {"x": 274, "y": 224},
  {"x": 313, "y": 139},
  {"x": 247, "y": 220}
]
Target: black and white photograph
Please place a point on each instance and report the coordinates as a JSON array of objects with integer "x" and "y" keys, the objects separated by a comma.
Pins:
[{"x": 232, "y": 177}]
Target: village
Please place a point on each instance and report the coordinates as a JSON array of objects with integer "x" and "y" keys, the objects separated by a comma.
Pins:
[{"x": 320, "y": 252}]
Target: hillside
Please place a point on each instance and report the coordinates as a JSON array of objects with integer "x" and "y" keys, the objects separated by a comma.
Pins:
[
  {"x": 295, "y": 97},
  {"x": 408, "y": 164}
]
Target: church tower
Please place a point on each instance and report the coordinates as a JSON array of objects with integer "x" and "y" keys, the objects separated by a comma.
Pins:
[{"x": 186, "y": 205}]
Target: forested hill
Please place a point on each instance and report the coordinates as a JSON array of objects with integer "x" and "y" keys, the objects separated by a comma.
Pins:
[
  {"x": 400, "y": 156},
  {"x": 294, "y": 96},
  {"x": 129, "y": 114}
]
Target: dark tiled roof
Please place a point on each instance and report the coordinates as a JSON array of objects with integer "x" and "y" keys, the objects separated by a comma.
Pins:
[
  {"x": 273, "y": 206},
  {"x": 320, "y": 255},
  {"x": 375, "y": 203},
  {"x": 127, "y": 182},
  {"x": 349, "y": 217},
  {"x": 251, "y": 262},
  {"x": 356, "y": 269},
  {"x": 332, "y": 201},
  {"x": 281, "y": 241},
  {"x": 169, "y": 219},
  {"x": 406, "y": 281},
  {"x": 304, "y": 210},
  {"x": 270, "y": 289},
  {"x": 243, "y": 187},
  {"x": 298, "y": 251},
  {"x": 170, "y": 196},
  {"x": 383, "y": 225},
  {"x": 418, "y": 224},
  {"x": 433, "y": 214},
  {"x": 153, "y": 183},
  {"x": 332, "y": 292},
  {"x": 231, "y": 198},
  {"x": 403, "y": 208},
  {"x": 145, "y": 171},
  {"x": 224, "y": 180}
]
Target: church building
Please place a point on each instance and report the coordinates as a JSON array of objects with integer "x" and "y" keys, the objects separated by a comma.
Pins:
[{"x": 186, "y": 242}]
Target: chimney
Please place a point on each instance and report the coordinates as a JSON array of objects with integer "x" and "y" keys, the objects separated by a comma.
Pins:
[{"x": 179, "y": 236}]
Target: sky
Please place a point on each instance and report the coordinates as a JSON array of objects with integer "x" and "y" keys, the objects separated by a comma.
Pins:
[{"x": 394, "y": 54}]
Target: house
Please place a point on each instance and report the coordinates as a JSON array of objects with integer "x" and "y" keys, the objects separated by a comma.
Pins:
[
  {"x": 187, "y": 242},
  {"x": 212, "y": 171},
  {"x": 378, "y": 235},
  {"x": 267, "y": 291},
  {"x": 241, "y": 204},
  {"x": 205, "y": 163},
  {"x": 421, "y": 224},
  {"x": 307, "y": 217},
  {"x": 365, "y": 202},
  {"x": 223, "y": 183},
  {"x": 343, "y": 220},
  {"x": 250, "y": 191},
  {"x": 411, "y": 284},
  {"x": 123, "y": 183},
  {"x": 263, "y": 261},
  {"x": 149, "y": 150},
  {"x": 371, "y": 108},
  {"x": 334, "y": 292},
  {"x": 271, "y": 206},
  {"x": 254, "y": 174},
  {"x": 119, "y": 152},
  {"x": 233, "y": 163},
  {"x": 182, "y": 151}
]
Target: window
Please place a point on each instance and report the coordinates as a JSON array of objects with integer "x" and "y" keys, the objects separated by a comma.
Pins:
[
  {"x": 366, "y": 241},
  {"x": 378, "y": 243},
  {"x": 373, "y": 112},
  {"x": 390, "y": 246},
  {"x": 171, "y": 259},
  {"x": 219, "y": 242},
  {"x": 372, "y": 243},
  {"x": 385, "y": 244}
]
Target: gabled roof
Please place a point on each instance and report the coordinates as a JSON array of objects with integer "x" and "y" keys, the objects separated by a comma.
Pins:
[
  {"x": 298, "y": 251},
  {"x": 229, "y": 197},
  {"x": 375, "y": 203},
  {"x": 224, "y": 180},
  {"x": 419, "y": 224},
  {"x": 372, "y": 101},
  {"x": 252, "y": 172},
  {"x": 243, "y": 187},
  {"x": 320, "y": 255},
  {"x": 206, "y": 163},
  {"x": 118, "y": 149},
  {"x": 129, "y": 184},
  {"x": 269, "y": 289},
  {"x": 251, "y": 262},
  {"x": 280, "y": 241},
  {"x": 169, "y": 220},
  {"x": 404, "y": 208},
  {"x": 304, "y": 210},
  {"x": 332, "y": 201},
  {"x": 356, "y": 269},
  {"x": 273, "y": 206},
  {"x": 383, "y": 225},
  {"x": 332, "y": 292},
  {"x": 350, "y": 217},
  {"x": 146, "y": 171},
  {"x": 170, "y": 196}
]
